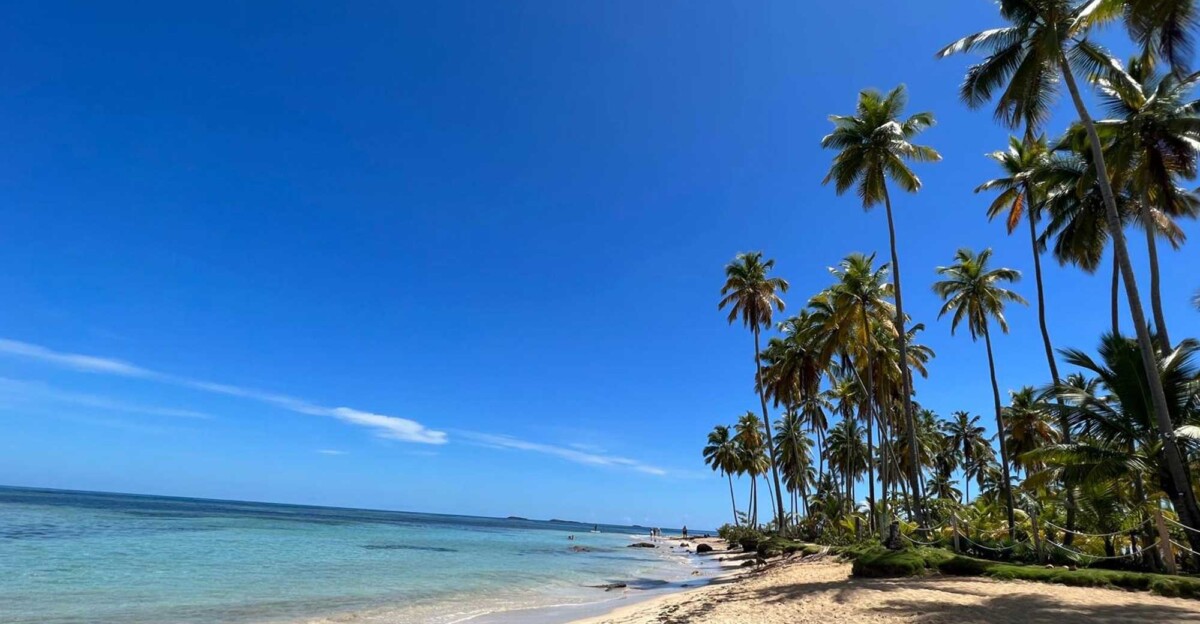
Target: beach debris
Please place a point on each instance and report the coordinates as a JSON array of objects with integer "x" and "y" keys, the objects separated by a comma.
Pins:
[
  {"x": 610, "y": 586},
  {"x": 641, "y": 545},
  {"x": 703, "y": 548},
  {"x": 580, "y": 549}
]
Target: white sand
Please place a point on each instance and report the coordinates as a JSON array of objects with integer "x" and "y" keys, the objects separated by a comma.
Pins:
[{"x": 820, "y": 590}]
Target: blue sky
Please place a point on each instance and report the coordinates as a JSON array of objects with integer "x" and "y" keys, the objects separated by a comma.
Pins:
[{"x": 455, "y": 257}]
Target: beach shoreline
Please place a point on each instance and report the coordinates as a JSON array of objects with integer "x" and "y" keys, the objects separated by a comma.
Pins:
[
  {"x": 719, "y": 565},
  {"x": 819, "y": 589}
]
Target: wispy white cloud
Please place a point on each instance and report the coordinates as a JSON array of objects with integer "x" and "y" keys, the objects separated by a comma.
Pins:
[
  {"x": 391, "y": 427},
  {"x": 576, "y": 455},
  {"x": 21, "y": 389},
  {"x": 331, "y": 452}
]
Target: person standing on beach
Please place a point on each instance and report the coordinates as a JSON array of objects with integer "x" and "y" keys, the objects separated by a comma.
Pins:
[{"x": 684, "y": 531}]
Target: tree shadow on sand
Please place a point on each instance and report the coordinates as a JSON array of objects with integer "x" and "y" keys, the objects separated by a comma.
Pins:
[{"x": 943, "y": 602}]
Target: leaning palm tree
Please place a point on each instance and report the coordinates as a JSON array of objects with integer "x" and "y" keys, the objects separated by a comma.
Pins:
[
  {"x": 1153, "y": 138},
  {"x": 721, "y": 453},
  {"x": 972, "y": 292},
  {"x": 1045, "y": 39},
  {"x": 873, "y": 145},
  {"x": 751, "y": 294}
]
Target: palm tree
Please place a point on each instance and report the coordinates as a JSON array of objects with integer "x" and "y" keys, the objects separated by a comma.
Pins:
[
  {"x": 972, "y": 292},
  {"x": 964, "y": 433},
  {"x": 1117, "y": 435},
  {"x": 1029, "y": 427},
  {"x": 873, "y": 145},
  {"x": 859, "y": 299},
  {"x": 795, "y": 452},
  {"x": 1044, "y": 39},
  {"x": 848, "y": 454},
  {"x": 721, "y": 453},
  {"x": 1152, "y": 139},
  {"x": 751, "y": 458},
  {"x": 750, "y": 293},
  {"x": 1022, "y": 194}
]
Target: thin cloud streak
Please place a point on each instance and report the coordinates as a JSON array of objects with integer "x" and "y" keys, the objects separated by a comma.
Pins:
[
  {"x": 390, "y": 427},
  {"x": 570, "y": 454},
  {"x": 35, "y": 390}
]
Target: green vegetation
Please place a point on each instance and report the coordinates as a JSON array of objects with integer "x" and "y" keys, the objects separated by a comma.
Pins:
[
  {"x": 1082, "y": 465},
  {"x": 1173, "y": 586}
]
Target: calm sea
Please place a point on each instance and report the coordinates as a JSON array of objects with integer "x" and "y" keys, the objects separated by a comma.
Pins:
[{"x": 85, "y": 557}]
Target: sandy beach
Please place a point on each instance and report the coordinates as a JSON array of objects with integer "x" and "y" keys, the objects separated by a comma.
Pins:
[{"x": 820, "y": 589}]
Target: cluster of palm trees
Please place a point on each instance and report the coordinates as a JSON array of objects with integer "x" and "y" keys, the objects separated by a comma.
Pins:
[{"x": 1099, "y": 448}]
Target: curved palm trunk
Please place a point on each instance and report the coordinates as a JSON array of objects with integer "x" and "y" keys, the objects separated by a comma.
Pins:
[
  {"x": 762, "y": 397},
  {"x": 732, "y": 500},
  {"x": 1180, "y": 488},
  {"x": 1063, "y": 422},
  {"x": 1115, "y": 298},
  {"x": 915, "y": 507},
  {"x": 1160, "y": 320},
  {"x": 1008, "y": 495}
]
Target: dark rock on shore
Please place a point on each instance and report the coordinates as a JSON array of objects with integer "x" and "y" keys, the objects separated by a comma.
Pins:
[
  {"x": 580, "y": 549},
  {"x": 703, "y": 548},
  {"x": 642, "y": 545},
  {"x": 610, "y": 586}
]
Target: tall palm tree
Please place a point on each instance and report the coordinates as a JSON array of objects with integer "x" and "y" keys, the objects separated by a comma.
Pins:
[
  {"x": 1021, "y": 194},
  {"x": 965, "y": 434},
  {"x": 848, "y": 454},
  {"x": 972, "y": 292},
  {"x": 1153, "y": 138},
  {"x": 752, "y": 294},
  {"x": 795, "y": 452},
  {"x": 751, "y": 459},
  {"x": 873, "y": 145},
  {"x": 1045, "y": 39},
  {"x": 859, "y": 297},
  {"x": 721, "y": 453}
]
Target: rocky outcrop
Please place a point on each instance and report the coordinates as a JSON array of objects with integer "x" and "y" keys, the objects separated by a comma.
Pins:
[{"x": 642, "y": 545}]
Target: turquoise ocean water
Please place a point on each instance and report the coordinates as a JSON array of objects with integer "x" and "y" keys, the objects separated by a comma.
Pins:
[{"x": 83, "y": 557}]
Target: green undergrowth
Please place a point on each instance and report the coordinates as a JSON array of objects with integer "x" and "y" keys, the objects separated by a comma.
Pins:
[
  {"x": 777, "y": 546},
  {"x": 1173, "y": 586},
  {"x": 879, "y": 562}
]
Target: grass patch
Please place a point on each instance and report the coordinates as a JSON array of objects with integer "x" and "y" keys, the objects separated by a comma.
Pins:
[
  {"x": 879, "y": 562},
  {"x": 777, "y": 546},
  {"x": 1173, "y": 586}
]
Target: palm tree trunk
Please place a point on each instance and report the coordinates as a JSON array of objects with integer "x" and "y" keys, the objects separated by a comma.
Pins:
[
  {"x": 868, "y": 403},
  {"x": 915, "y": 507},
  {"x": 1008, "y": 495},
  {"x": 1160, "y": 320},
  {"x": 732, "y": 500},
  {"x": 1188, "y": 510},
  {"x": 762, "y": 396},
  {"x": 1116, "y": 297},
  {"x": 754, "y": 500},
  {"x": 1063, "y": 421}
]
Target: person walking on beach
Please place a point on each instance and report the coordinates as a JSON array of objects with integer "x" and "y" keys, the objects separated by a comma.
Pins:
[{"x": 684, "y": 531}]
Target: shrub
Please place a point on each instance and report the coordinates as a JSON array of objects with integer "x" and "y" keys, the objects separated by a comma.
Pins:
[
  {"x": 777, "y": 546},
  {"x": 1174, "y": 586}
]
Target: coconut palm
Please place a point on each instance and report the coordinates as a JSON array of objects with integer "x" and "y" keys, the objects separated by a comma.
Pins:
[
  {"x": 1027, "y": 417},
  {"x": 751, "y": 294},
  {"x": 859, "y": 299},
  {"x": 1045, "y": 39},
  {"x": 848, "y": 454},
  {"x": 1152, "y": 138},
  {"x": 1117, "y": 436},
  {"x": 721, "y": 453},
  {"x": 966, "y": 435},
  {"x": 873, "y": 145},
  {"x": 972, "y": 292},
  {"x": 752, "y": 460},
  {"x": 795, "y": 455}
]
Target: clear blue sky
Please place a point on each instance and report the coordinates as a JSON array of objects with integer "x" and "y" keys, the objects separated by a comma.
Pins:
[{"x": 454, "y": 258}]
